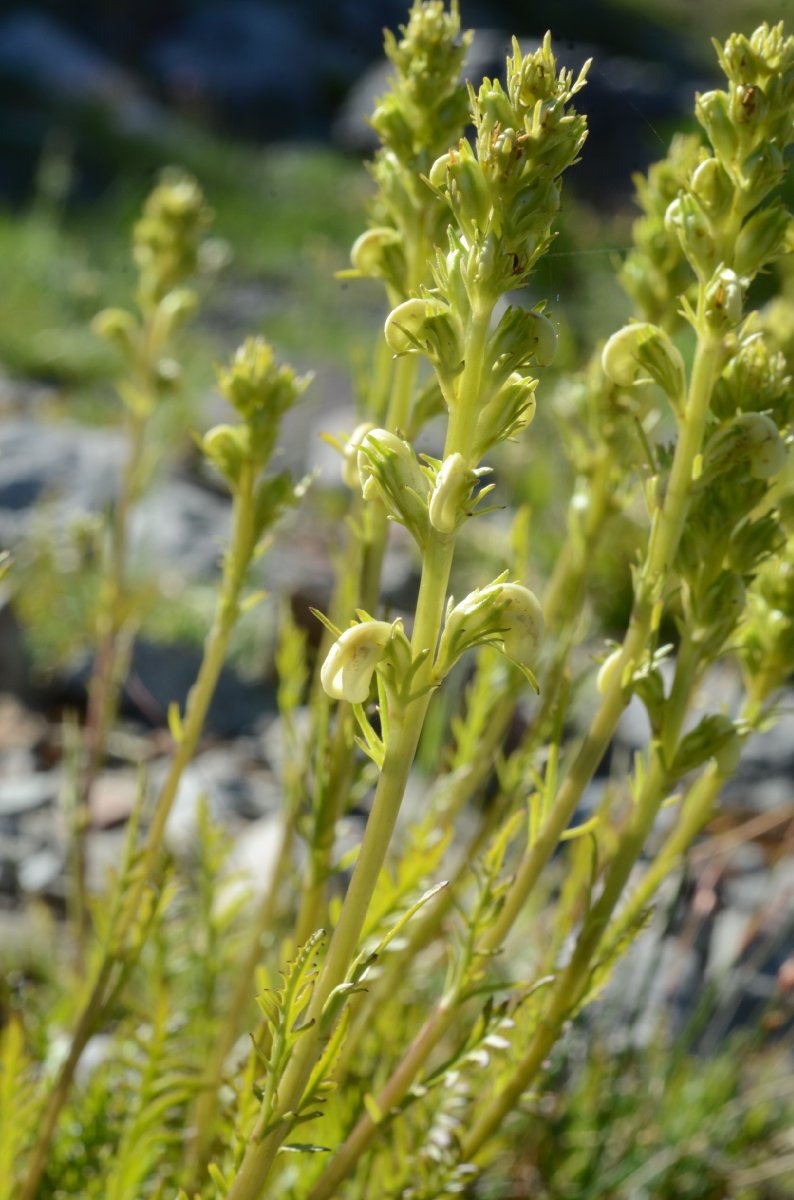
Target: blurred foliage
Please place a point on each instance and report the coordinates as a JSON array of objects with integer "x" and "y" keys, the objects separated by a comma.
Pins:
[{"x": 620, "y": 1124}]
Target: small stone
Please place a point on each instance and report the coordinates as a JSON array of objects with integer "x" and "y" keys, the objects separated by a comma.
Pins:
[
  {"x": 253, "y": 859},
  {"x": 113, "y": 797},
  {"x": 727, "y": 941},
  {"x": 39, "y": 871},
  {"x": 24, "y": 794}
]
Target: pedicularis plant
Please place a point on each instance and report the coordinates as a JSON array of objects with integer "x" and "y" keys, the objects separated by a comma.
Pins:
[{"x": 404, "y": 1029}]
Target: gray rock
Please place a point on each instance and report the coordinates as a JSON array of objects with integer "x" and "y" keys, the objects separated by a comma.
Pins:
[
  {"x": 43, "y": 872},
  {"x": 22, "y": 794},
  {"x": 104, "y": 855},
  {"x": 239, "y": 57},
  {"x": 253, "y": 859},
  {"x": 221, "y": 779},
  {"x": 178, "y": 531},
  {"x": 727, "y": 941},
  {"x": 163, "y": 673},
  {"x": 43, "y": 54},
  {"x": 64, "y": 471}
]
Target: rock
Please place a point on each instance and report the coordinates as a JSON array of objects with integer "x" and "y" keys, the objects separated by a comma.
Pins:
[
  {"x": 20, "y": 729},
  {"x": 42, "y": 872},
  {"x": 163, "y": 673},
  {"x": 178, "y": 531},
  {"x": 43, "y": 55},
  {"x": 221, "y": 779},
  {"x": 22, "y": 794},
  {"x": 113, "y": 797},
  {"x": 23, "y": 395},
  {"x": 61, "y": 82},
  {"x": 253, "y": 859},
  {"x": 104, "y": 849},
  {"x": 239, "y": 58},
  {"x": 64, "y": 470}
]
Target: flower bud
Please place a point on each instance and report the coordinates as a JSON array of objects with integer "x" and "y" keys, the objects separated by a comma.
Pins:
[
  {"x": 712, "y": 109},
  {"x": 225, "y": 447},
  {"x": 426, "y": 325},
  {"x": 712, "y": 186},
  {"x": 750, "y": 438},
  {"x": 608, "y": 671},
  {"x": 686, "y": 219},
  {"x": 724, "y": 300},
  {"x": 521, "y": 337},
  {"x": 641, "y": 352},
  {"x": 505, "y": 615},
  {"x": 467, "y": 190},
  {"x": 768, "y": 450},
  {"x": 178, "y": 306},
  {"x": 347, "y": 671},
  {"x": 168, "y": 374},
  {"x": 388, "y": 469},
  {"x": 748, "y": 105},
  {"x": 117, "y": 326},
  {"x": 405, "y": 325},
  {"x": 452, "y": 489},
  {"x": 261, "y": 390},
  {"x": 763, "y": 169},
  {"x": 437, "y": 175},
  {"x": 350, "y": 473},
  {"x": 509, "y": 411},
  {"x": 371, "y": 251}
]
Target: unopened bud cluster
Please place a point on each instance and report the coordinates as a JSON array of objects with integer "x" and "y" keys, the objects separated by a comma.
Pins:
[
  {"x": 424, "y": 111},
  {"x": 505, "y": 193},
  {"x": 166, "y": 239},
  {"x": 261, "y": 391},
  {"x": 166, "y": 243},
  {"x": 709, "y": 207}
]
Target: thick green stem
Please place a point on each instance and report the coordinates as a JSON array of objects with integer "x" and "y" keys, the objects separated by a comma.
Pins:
[
  {"x": 405, "y": 728},
  {"x": 359, "y": 587}
]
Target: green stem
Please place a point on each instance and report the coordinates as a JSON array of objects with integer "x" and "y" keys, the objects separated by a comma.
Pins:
[
  {"x": 666, "y": 530},
  {"x": 566, "y": 590},
  {"x": 570, "y": 987},
  {"x": 366, "y": 1130},
  {"x": 697, "y": 808},
  {"x": 364, "y": 568},
  {"x": 239, "y": 556},
  {"x": 405, "y": 729}
]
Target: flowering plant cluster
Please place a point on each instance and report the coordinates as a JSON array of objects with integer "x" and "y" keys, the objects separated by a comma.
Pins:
[{"x": 683, "y": 414}]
